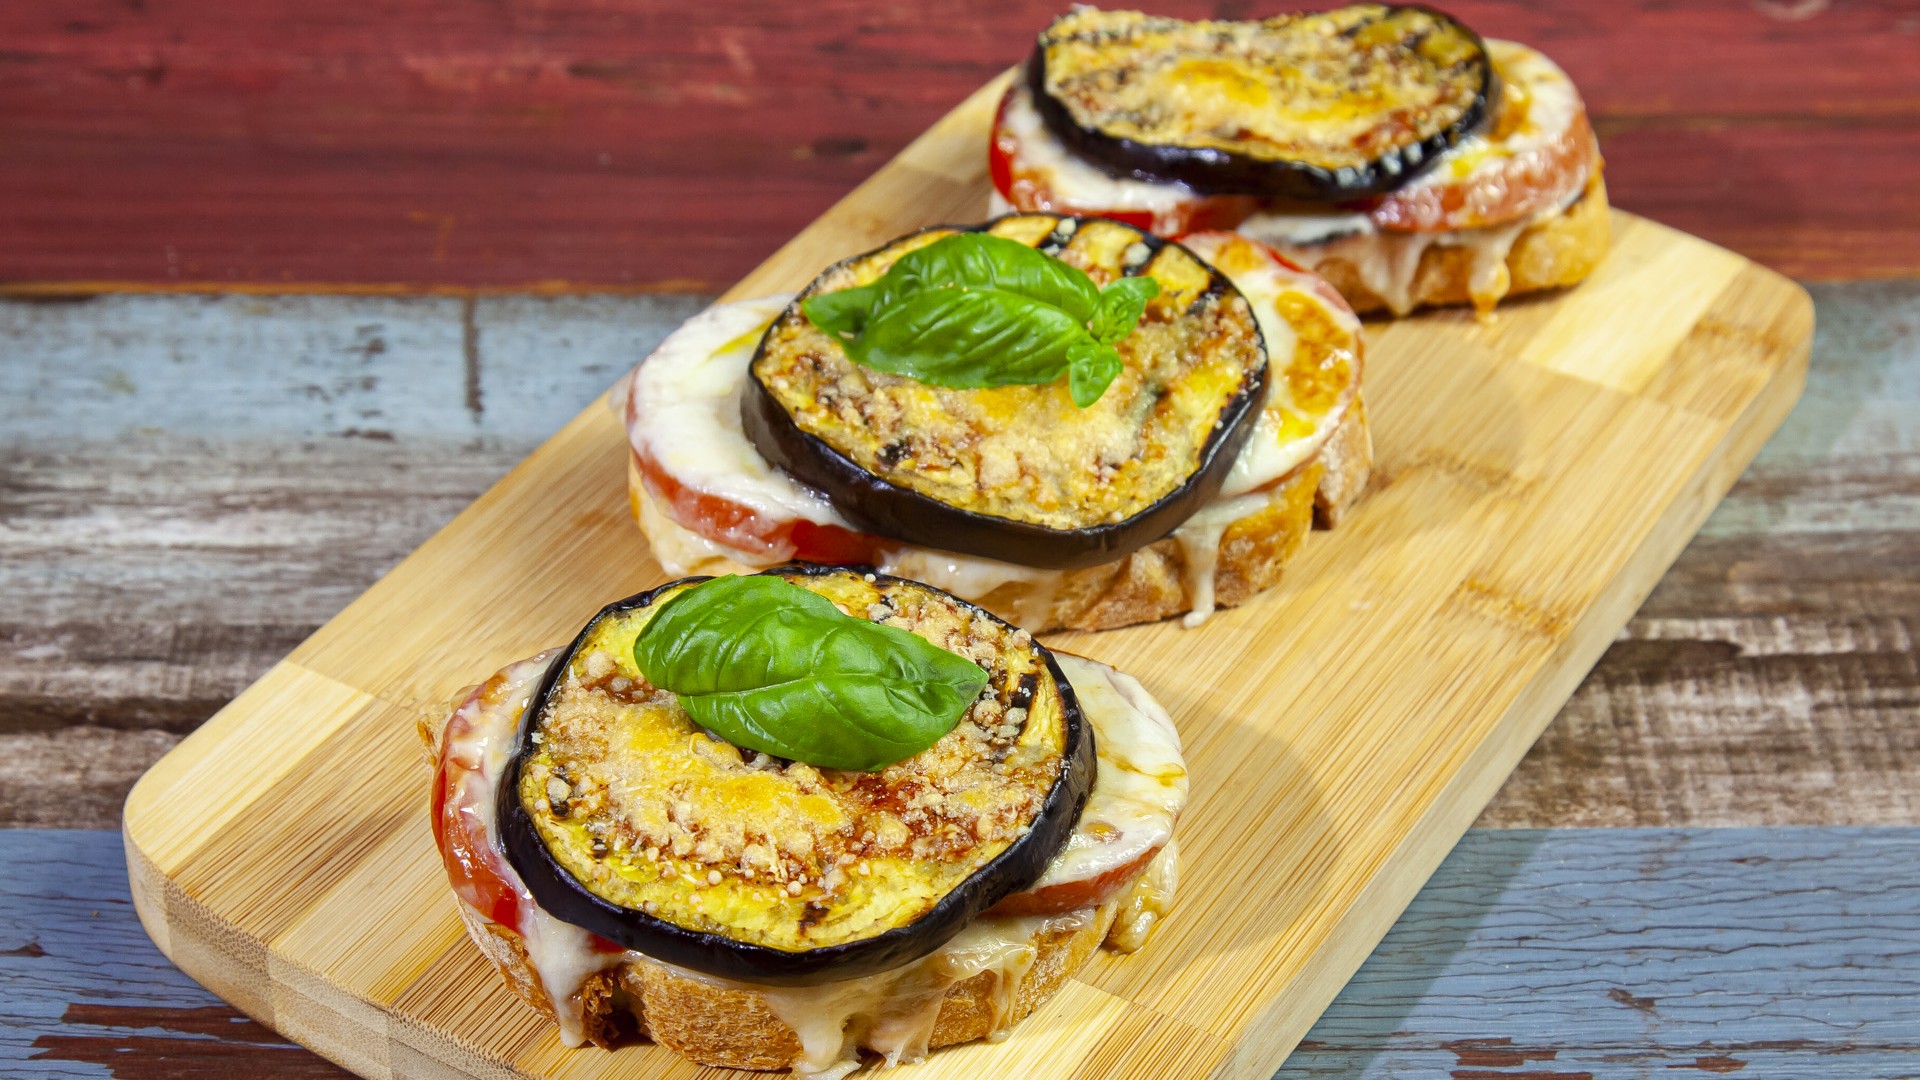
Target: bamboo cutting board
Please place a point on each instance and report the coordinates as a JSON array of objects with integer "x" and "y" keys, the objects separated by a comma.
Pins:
[{"x": 1535, "y": 478}]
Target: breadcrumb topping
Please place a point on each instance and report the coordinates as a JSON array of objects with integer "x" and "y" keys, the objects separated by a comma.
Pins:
[
  {"x": 654, "y": 813},
  {"x": 1027, "y": 453}
]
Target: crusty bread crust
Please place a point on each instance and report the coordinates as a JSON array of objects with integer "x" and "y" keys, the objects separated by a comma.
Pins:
[
  {"x": 1559, "y": 251},
  {"x": 1150, "y": 584},
  {"x": 732, "y": 1027}
]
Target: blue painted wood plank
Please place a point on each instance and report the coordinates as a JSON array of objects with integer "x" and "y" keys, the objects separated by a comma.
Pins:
[
  {"x": 515, "y": 368},
  {"x": 1544, "y": 954},
  {"x": 510, "y": 368},
  {"x": 85, "y": 993},
  {"x": 1600, "y": 952}
]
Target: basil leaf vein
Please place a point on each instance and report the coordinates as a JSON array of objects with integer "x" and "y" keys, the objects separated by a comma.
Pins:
[
  {"x": 972, "y": 310},
  {"x": 968, "y": 339},
  {"x": 1121, "y": 305},
  {"x": 770, "y": 666}
]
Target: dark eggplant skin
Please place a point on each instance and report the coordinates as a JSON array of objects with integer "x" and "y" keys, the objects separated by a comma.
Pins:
[
  {"x": 1212, "y": 171},
  {"x": 562, "y": 896},
  {"x": 873, "y": 504}
]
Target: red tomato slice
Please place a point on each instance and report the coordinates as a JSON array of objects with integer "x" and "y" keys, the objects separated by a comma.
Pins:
[
  {"x": 1224, "y": 235},
  {"x": 1496, "y": 193},
  {"x": 474, "y": 867},
  {"x": 1029, "y": 189},
  {"x": 739, "y": 526},
  {"x": 1073, "y": 895},
  {"x": 1202, "y": 243}
]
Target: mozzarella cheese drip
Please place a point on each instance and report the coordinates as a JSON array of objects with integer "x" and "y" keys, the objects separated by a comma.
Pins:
[
  {"x": 684, "y": 413},
  {"x": 1387, "y": 261},
  {"x": 480, "y": 742},
  {"x": 1074, "y": 185},
  {"x": 1140, "y": 785},
  {"x": 892, "y": 1012},
  {"x": 1146, "y": 902}
]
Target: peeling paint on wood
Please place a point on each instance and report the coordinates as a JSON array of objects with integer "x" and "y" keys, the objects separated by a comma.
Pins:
[
  {"x": 189, "y": 487},
  {"x": 1641, "y": 952},
  {"x": 162, "y": 546},
  {"x": 656, "y": 144},
  {"x": 83, "y": 992}
]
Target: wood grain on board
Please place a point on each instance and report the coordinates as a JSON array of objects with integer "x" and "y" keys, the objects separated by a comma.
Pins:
[
  {"x": 189, "y": 486},
  {"x": 660, "y": 145},
  {"x": 1528, "y": 497},
  {"x": 1527, "y": 951}
]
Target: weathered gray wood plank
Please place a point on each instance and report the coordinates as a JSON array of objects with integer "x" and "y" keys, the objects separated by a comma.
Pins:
[
  {"x": 189, "y": 485},
  {"x": 1772, "y": 677},
  {"x": 1562, "y": 953}
]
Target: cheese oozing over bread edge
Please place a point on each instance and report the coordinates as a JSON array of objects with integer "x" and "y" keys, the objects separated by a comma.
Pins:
[
  {"x": 683, "y": 412},
  {"x": 1139, "y": 790},
  {"x": 1386, "y": 260}
]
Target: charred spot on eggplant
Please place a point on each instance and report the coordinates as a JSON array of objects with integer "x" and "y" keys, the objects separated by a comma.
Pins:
[
  {"x": 1330, "y": 105},
  {"x": 689, "y": 850},
  {"x": 1020, "y": 473}
]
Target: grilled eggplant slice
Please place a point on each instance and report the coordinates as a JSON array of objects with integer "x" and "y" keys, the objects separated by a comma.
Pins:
[
  {"x": 1333, "y": 105},
  {"x": 1019, "y": 473},
  {"x": 624, "y": 818}
]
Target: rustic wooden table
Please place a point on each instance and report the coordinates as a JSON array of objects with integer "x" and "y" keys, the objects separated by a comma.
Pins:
[{"x": 283, "y": 286}]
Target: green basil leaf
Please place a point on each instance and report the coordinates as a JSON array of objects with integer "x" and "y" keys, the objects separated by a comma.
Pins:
[
  {"x": 1091, "y": 368},
  {"x": 969, "y": 338},
  {"x": 981, "y": 261},
  {"x": 842, "y": 314},
  {"x": 972, "y": 310},
  {"x": 1121, "y": 305},
  {"x": 770, "y": 666}
]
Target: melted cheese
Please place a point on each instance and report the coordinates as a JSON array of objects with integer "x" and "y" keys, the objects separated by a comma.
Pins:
[
  {"x": 682, "y": 552},
  {"x": 1140, "y": 786},
  {"x": 1540, "y": 107},
  {"x": 1199, "y": 539},
  {"x": 686, "y": 395},
  {"x": 479, "y": 742},
  {"x": 1073, "y": 186},
  {"x": 1312, "y": 337},
  {"x": 1146, "y": 902},
  {"x": 683, "y": 411},
  {"x": 893, "y": 1012},
  {"x": 1389, "y": 262}
]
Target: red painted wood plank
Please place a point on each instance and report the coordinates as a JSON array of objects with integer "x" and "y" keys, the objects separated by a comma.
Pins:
[{"x": 647, "y": 144}]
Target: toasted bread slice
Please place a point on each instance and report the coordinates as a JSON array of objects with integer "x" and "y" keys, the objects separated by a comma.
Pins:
[
  {"x": 733, "y": 1027},
  {"x": 1559, "y": 251},
  {"x": 1150, "y": 584}
]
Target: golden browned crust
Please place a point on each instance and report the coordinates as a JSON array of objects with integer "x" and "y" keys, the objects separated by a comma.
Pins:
[
  {"x": 1550, "y": 254},
  {"x": 1030, "y": 453},
  {"x": 733, "y": 1027},
  {"x": 1348, "y": 461},
  {"x": 508, "y": 951},
  {"x": 646, "y": 812},
  {"x": 1337, "y": 89},
  {"x": 1150, "y": 584}
]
